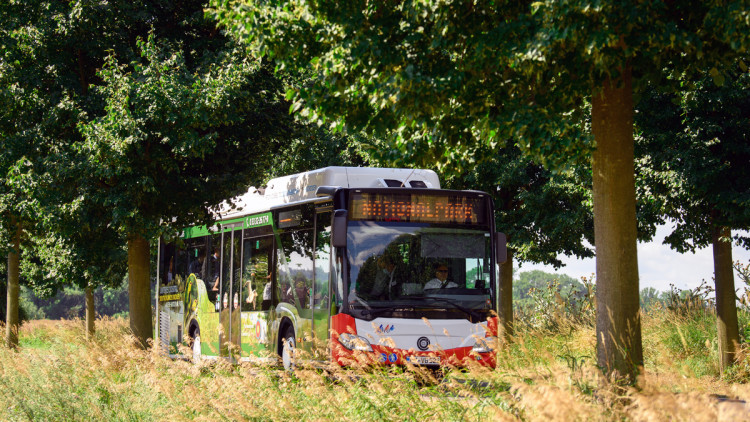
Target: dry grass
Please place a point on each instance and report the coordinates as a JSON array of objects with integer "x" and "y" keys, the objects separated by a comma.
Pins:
[{"x": 57, "y": 375}]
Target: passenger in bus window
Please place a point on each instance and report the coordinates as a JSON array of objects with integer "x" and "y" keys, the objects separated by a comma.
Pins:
[
  {"x": 266, "y": 304},
  {"x": 298, "y": 282},
  {"x": 257, "y": 279},
  {"x": 441, "y": 279},
  {"x": 384, "y": 279},
  {"x": 196, "y": 267},
  {"x": 170, "y": 270},
  {"x": 215, "y": 270}
]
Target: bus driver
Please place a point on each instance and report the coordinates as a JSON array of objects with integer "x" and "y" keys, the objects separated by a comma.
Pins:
[{"x": 441, "y": 279}]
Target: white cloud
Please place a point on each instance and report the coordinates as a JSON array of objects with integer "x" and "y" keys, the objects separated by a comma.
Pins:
[{"x": 658, "y": 265}]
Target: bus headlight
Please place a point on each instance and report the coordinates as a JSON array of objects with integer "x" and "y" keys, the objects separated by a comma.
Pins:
[
  {"x": 484, "y": 345},
  {"x": 354, "y": 342}
]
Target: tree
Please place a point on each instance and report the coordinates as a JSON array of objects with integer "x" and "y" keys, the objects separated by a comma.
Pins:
[
  {"x": 437, "y": 77},
  {"x": 175, "y": 142},
  {"x": 50, "y": 53},
  {"x": 695, "y": 142},
  {"x": 155, "y": 129},
  {"x": 523, "y": 193},
  {"x": 22, "y": 100},
  {"x": 649, "y": 298},
  {"x": 538, "y": 279},
  {"x": 91, "y": 257},
  {"x": 314, "y": 147}
]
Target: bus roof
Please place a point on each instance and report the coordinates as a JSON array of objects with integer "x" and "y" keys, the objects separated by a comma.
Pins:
[{"x": 302, "y": 186}]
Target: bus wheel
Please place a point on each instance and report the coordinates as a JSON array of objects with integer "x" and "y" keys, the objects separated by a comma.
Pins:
[
  {"x": 196, "y": 345},
  {"x": 288, "y": 345}
]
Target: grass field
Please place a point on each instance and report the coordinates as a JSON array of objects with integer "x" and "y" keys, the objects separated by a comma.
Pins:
[{"x": 57, "y": 375}]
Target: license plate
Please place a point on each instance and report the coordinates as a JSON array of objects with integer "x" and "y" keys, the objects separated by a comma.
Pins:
[{"x": 424, "y": 360}]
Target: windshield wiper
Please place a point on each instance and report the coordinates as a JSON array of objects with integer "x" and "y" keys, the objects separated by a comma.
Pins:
[
  {"x": 471, "y": 312},
  {"x": 358, "y": 300},
  {"x": 385, "y": 310}
]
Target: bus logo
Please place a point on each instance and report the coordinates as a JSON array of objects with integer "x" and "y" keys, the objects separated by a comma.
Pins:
[
  {"x": 385, "y": 329},
  {"x": 423, "y": 343}
]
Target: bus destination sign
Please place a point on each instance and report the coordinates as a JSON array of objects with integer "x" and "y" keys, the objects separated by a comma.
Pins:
[{"x": 418, "y": 208}]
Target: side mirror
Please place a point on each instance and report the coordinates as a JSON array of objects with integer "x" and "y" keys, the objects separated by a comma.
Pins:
[
  {"x": 501, "y": 248},
  {"x": 338, "y": 231}
]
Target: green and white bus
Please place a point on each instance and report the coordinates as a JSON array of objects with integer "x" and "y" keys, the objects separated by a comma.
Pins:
[{"x": 345, "y": 264}]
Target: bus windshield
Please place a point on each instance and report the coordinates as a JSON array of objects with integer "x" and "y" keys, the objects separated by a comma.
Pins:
[{"x": 415, "y": 270}]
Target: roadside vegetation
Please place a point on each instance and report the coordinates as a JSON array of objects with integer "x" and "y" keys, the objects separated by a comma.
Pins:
[{"x": 548, "y": 373}]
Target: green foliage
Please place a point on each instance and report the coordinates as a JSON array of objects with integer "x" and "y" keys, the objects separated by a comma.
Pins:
[
  {"x": 26, "y": 310},
  {"x": 314, "y": 148},
  {"x": 691, "y": 301},
  {"x": 691, "y": 339},
  {"x": 650, "y": 297},
  {"x": 440, "y": 77},
  {"x": 69, "y": 383},
  {"x": 538, "y": 279},
  {"x": 740, "y": 371},
  {"x": 440, "y": 80},
  {"x": 553, "y": 303},
  {"x": 92, "y": 256},
  {"x": 691, "y": 143},
  {"x": 70, "y": 302},
  {"x": 679, "y": 302},
  {"x": 543, "y": 214},
  {"x": 176, "y": 138},
  {"x": 126, "y": 120},
  {"x": 743, "y": 273},
  {"x": 688, "y": 327}
]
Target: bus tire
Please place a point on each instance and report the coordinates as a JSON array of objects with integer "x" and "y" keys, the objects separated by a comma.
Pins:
[{"x": 288, "y": 345}]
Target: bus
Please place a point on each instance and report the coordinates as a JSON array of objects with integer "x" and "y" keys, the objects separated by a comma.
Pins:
[{"x": 351, "y": 265}]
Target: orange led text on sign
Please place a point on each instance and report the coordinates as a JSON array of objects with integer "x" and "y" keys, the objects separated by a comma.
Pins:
[{"x": 418, "y": 211}]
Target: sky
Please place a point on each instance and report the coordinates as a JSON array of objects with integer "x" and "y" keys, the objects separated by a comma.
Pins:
[{"x": 658, "y": 265}]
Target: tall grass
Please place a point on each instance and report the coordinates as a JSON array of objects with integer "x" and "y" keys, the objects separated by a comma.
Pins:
[{"x": 545, "y": 374}]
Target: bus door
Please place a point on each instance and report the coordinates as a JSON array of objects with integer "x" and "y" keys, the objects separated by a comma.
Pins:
[
  {"x": 255, "y": 293},
  {"x": 230, "y": 291},
  {"x": 321, "y": 303}
]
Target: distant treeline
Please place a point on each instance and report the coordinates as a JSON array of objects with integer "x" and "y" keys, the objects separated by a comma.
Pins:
[
  {"x": 568, "y": 288},
  {"x": 70, "y": 303}
]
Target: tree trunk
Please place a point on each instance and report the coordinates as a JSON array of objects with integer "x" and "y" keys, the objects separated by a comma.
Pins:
[
  {"x": 618, "y": 324},
  {"x": 139, "y": 289},
  {"x": 726, "y": 305},
  {"x": 505, "y": 311},
  {"x": 11, "y": 315},
  {"x": 90, "y": 313}
]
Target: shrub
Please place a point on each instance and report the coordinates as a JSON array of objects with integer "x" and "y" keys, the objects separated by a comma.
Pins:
[
  {"x": 552, "y": 308},
  {"x": 691, "y": 301}
]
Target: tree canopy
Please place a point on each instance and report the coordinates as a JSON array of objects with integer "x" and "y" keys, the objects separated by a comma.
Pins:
[
  {"x": 437, "y": 77},
  {"x": 134, "y": 117},
  {"x": 695, "y": 143}
]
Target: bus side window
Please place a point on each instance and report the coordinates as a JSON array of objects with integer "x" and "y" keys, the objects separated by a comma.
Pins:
[
  {"x": 181, "y": 264},
  {"x": 167, "y": 264},
  {"x": 322, "y": 260},
  {"x": 226, "y": 268},
  {"x": 294, "y": 268},
  {"x": 196, "y": 249},
  {"x": 213, "y": 267},
  {"x": 256, "y": 279},
  {"x": 338, "y": 277}
]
